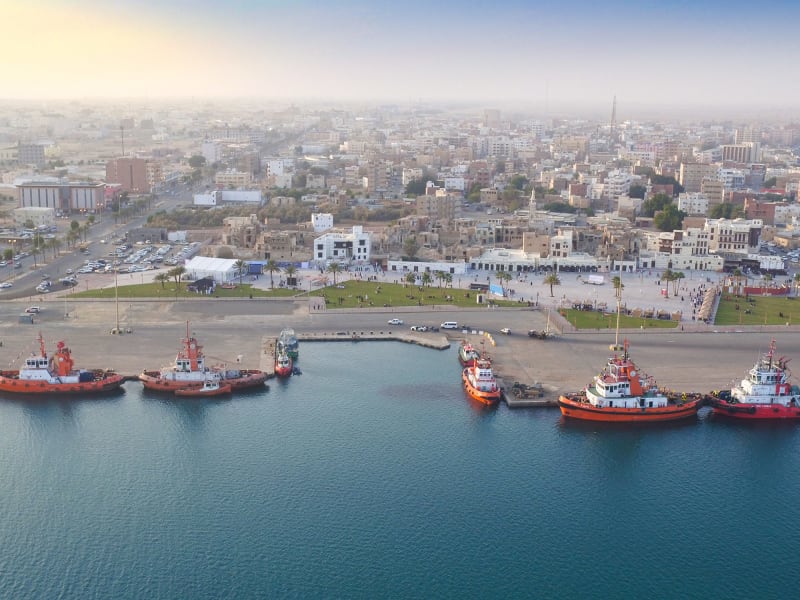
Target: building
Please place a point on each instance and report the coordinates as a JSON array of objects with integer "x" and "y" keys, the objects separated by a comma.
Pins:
[
  {"x": 740, "y": 236},
  {"x": 693, "y": 203},
  {"x": 440, "y": 208},
  {"x": 233, "y": 179},
  {"x": 30, "y": 154},
  {"x": 63, "y": 197},
  {"x": 339, "y": 246},
  {"x": 692, "y": 175},
  {"x": 747, "y": 152},
  {"x": 241, "y": 232},
  {"x": 237, "y": 197},
  {"x": 39, "y": 217},
  {"x": 130, "y": 173},
  {"x": 321, "y": 222}
]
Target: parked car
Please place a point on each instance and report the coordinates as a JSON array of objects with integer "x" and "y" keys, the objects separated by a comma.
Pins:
[
  {"x": 505, "y": 330},
  {"x": 5, "y": 285},
  {"x": 395, "y": 321},
  {"x": 33, "y": 310},
  {"x": 419, "y": 328}
]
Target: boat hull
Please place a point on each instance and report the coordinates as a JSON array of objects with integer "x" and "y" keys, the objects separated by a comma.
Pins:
[
  {"x": 153, "y": 380},
  {"x": 755, "y": 412},
  {"x": 201, "y": 393},
  {"x": 487, "y": 398},
  {"x": 105, "y": 382},
  {"x": 574, "y": 407}
]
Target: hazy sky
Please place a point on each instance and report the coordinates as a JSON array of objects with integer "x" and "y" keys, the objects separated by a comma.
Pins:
[{"x": 537, "y": 52}]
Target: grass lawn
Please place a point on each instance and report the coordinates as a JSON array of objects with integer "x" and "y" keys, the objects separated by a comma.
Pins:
[
  {"x": 167, "y": 291},
  {"x": 758, "y": 310},
  {"x": 593, "y": 319},
  {"x": 363, "y": 294}
]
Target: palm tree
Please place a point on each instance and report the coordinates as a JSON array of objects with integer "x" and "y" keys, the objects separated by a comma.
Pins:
[
  {"x": 503, "y": 277},
  {"x": 426, "y": 278},
  {"x": 291, "y": 273},
  {"x": 55, "y": 243},
  {"x": 162, "y": 278},
  {"x": 411, "y": 277},
  {"x": 737, "y": 275},
  {"x": 552, "y": 280},
  {"x": 72, "y": 237},
  {"x": 241, "y": 267},
  {"x": 176, "y": 273},
  {"x": 438, "y": 275},
  {"x": 85, "y": 230},
  {"x": 668, "y": 276},
  {"x": 271, "y": 266},
  {"x": 448, "y": 279},
  {"x": 676, "y": 279},
  {"x": 334, "y": 268}
]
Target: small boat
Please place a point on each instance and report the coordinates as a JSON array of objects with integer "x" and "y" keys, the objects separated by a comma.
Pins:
[
  {"x": 189, "y": 370},
  {"x": 283, "y": 364},
  {"x": 766, "y": 393},
  {"x": 43, "y": 374},
  {"x": 621, "y": 393},
  {"x": 288, "y": 340},
  {"x": 211, "y": 387},
  {"x": 480, "y": 383},
  {"x": 467, "y": 354}
]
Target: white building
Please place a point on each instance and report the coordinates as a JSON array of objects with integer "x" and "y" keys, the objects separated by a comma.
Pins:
[
  {"x": 39, "y": 216},
  {"x": 618, "y": 183},
  {"x": 693, "y": 203},
  {"x": 741, "y": 236},
  {"x": 321, "y": 222},
  {"x": 418, "y": 266},
  {"x": 239, "y": 197},
  {"x": 339, "y": 246},
  {"x": 221, "y": 270}
]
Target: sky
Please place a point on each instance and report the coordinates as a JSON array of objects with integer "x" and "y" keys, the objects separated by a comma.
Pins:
[{"x": 536, "y": 53}]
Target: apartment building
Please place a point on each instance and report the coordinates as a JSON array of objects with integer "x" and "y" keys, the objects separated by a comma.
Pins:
[
  {"x": 131, "y": 174},
  {"x": 439, "y": 208},
  {"x": 738, "y": 235},
  {"x": 341, "y": 246},
  {"x": 691, "y": 175},
  {"x": 232, "y": 178}
]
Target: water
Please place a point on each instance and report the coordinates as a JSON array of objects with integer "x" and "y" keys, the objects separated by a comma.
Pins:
[{"x": 371, "y": 475}]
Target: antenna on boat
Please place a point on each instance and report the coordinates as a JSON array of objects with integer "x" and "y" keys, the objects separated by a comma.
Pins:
[{"x": 617, "y": 281}]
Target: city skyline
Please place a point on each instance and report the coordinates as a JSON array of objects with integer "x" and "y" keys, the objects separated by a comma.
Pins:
[{"x": 656, "y": 56}]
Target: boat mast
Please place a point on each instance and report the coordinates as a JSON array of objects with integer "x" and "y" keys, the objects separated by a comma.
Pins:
[{"x": 617, "y": 281}]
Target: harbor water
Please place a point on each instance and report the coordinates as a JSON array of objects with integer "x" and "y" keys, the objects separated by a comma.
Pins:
[{"x": 372, "y": 475}]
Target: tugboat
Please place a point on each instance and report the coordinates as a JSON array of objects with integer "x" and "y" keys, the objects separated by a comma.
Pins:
[
  {"x": 289, "y": 342},
  {"x": 765, "y": 394},
  {"x": 479, "y": 382},
  {"x": 283, "y": 364},
  {"x": 190, "y": 371},
  {"x": 211, "y": 387},
  {"x": 468, "y": 354},
  {"x": 623, "y": 394},
  {"x": 56, "y": 374}
]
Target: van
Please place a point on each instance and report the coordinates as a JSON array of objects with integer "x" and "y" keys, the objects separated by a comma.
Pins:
[{"x": 449, "y": 325}]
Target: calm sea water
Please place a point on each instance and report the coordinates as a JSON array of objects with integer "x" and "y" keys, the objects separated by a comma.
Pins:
[{"x": 371, "y": 475}]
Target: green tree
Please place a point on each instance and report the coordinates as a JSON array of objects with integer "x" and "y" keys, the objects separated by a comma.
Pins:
[
  {"x": 333, "y": 269},
  {"x": 668, "y": 277},
  {"x": 8, "y": 254},
  {"x": 519, "y": 182},
  {"x": 669, "y": 219},
  {"x": 177, "y": 273},
  {"x": 271, "y": 266},
  {"x": 291, "y": 274},
  {"x": 448, "y": 279},
  {"x": 737, "y": 276},
  {"x": 74, "y": 225},
  {"x": 426, "y": 278},
  {"x": 677, "y": 188},
  {"x": 161, "y": 278},
  {"x": 416, "y": 187},
  {"x": 241, "y": 267},
  {"x": 676, "y": 281},
  {"x": 197, "y": 161},
  {"x": 652, "y": 205},
  {"x": 551, "y": 280},
  {"x": 503, "y": 277},
  {"x": 770, "y": 183},
  {"x": 410, "y": 246},
  {"x": 637, "y": 191},
  {"x": 411, "y": 277},
  {"x": 90, "y": 219}
]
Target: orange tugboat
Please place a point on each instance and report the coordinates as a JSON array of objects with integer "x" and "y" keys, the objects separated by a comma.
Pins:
[
  {"x": 479, "y": 382},
  {"x": 56, "y": 374},
  {"x": 623, "y": 394},
  {"x": 765, "y": 394},
  {"x": 283, "y": 363},
  {"x": 189, "y": 371},
  {"x": 211, "y": 387}
]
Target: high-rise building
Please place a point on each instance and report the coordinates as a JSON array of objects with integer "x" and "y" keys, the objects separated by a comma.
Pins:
[{"x": 130, "y": 174}]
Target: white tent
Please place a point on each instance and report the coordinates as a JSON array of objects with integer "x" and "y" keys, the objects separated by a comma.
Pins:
[{"x": 221, "y": 270}]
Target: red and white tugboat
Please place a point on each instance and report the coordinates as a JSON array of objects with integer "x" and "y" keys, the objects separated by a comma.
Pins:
[
  {"x": 283, "y": 363},
  {"x": 468, "y": 354},
  {"x": 211, "y": 387},
  {"x": 57, "y": 374},
  {"x": 480, "y": 383},
  {"x": 623, "y": 394},
  {"x": 190, "y": 371},
  {"x": 765, "y": 394}
]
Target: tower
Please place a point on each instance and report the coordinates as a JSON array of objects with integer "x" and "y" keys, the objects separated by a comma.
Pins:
[{"x": 613, "y": 120}]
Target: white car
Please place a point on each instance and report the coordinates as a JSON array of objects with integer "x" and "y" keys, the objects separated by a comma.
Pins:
[
  {"x": 395, "y": 321},
  {"x": 33, "y": 310},
  {"x": 5, "y": 285}
]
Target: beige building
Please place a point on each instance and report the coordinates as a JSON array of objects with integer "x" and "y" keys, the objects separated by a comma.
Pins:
[
  {"x": 233, "y": 179},
  {"x": 692, "y": 175},
  {"x": 442, "y": 209},
  {"x": 241, "y": 232}
]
